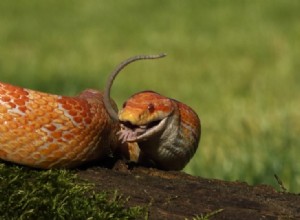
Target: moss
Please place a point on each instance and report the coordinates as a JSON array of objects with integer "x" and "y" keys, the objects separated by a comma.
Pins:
[{"x": 56, "y": 194}]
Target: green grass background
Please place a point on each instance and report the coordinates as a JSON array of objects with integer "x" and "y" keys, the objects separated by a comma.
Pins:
[{"x": 235, "y": 62}]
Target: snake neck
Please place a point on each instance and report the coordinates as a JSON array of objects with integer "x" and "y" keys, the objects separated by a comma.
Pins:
[{"x": 107, "y": 141}]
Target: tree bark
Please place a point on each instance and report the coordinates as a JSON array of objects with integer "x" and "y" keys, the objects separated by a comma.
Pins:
[{"x": 176, "y": 195}]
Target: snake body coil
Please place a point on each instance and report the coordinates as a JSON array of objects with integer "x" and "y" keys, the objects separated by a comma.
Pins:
[{"x": 47, "y": 131}]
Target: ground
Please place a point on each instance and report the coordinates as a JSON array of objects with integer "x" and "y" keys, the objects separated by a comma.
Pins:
[{"x": 176, "y": 195}]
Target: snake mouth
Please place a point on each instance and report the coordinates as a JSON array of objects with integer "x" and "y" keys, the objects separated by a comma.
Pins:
[{"x": 137, "y": 133}]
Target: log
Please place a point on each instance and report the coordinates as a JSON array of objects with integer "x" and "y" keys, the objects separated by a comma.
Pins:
[{"x": 177, "y": 195}]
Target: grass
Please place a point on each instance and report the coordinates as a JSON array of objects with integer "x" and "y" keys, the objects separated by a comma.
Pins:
[
  {"x": 206, "y": 216},
  {"x": 56, "y": 194},
  {"x": 235, "y": 62}
]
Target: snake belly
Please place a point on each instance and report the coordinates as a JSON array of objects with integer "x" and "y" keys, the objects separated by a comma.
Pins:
[{"x": 46, "y": 131}]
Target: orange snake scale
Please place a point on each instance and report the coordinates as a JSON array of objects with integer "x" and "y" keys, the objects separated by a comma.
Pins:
[{"x": 43, "y": 130}]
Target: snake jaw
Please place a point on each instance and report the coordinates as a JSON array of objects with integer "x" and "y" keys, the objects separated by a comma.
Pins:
[{"x": 135, "y": 133}]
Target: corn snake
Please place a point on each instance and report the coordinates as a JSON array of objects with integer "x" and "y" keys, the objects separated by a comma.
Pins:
[{"x": 52, "y": 131}]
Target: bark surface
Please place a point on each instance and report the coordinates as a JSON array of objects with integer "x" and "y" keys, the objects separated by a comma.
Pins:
[{"x": 176, "y": 195}]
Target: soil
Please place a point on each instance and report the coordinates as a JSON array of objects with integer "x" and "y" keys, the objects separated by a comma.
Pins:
[{"x": 176, "y": 195}]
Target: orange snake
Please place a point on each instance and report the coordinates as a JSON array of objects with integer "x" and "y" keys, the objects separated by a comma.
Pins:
[{"x": 52, "y": 131}]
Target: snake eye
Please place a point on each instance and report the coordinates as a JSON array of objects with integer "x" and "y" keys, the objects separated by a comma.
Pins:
[
  {"x": 124, "y": 104},
  {"x": 151, "y": 108}
]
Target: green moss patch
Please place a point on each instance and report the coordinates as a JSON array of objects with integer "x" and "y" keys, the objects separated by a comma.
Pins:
[{"x": 56, "y": 194}]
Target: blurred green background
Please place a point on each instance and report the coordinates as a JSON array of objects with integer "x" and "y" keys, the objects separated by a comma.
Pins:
[{"x": 235, "y": 62}]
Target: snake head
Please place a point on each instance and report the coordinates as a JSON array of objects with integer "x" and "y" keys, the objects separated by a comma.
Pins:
[{"x": 144, "y": 116}]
